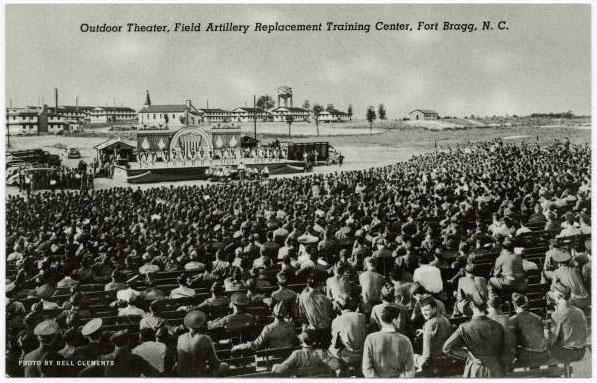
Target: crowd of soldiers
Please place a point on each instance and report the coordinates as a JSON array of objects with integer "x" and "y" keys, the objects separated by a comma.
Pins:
[
  {"x": 369, "y": 246},
  {"x": 55, "y": 178}
]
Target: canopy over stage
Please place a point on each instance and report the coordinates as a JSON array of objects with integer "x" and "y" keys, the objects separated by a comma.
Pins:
[{"x": 115, "y": 148}]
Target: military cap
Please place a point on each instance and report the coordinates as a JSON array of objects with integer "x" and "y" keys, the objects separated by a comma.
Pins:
[
  {"x": 195, "y": 319},
  {"x": 91, "y": 327},
  {"x": 44, "y": 291},
  {"x": 560, "y": 255},
  {"x": 46, "y": 328},
  {"x": 148, "y": 268}
]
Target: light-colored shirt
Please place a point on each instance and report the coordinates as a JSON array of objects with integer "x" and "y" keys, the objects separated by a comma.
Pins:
[
  {"x": 316, "y": 308},
  {"x": 305, "y": 358},
  {"x": 569, "y": 327},
  {"x": 388, "y": 354},
  {"x": 194, "y": 353},
  {"x": 125, "y": 295},
  {"x": 279, "y": 334},
  {"x": 130, "y": 310},
  {"x": 429, "y": 277},
  {"x": 182, "y": 292},
  {"x": 351, "y": 328},
  {"x": 371, "y": 283}
]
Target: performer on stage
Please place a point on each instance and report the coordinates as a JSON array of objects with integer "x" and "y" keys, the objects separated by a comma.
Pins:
[{"x": 193, "y": 156}]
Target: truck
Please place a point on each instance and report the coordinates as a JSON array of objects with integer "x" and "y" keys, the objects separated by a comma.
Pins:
[
  {"x": 326, "y": 153},
  {"x": 32, "y": 156}
]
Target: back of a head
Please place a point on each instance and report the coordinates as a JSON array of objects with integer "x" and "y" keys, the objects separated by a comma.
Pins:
[
  {"x": 389, "y": 314},
  {"x": 520, "y": 300}
]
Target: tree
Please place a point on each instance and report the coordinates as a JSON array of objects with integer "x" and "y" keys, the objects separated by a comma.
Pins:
[
  {"x": 371, "y": 117},
  {"x": 349, "y": 111},
  {"x": 329, "y": 107},
  {"x": 289, "y": 120},
  {"x": 265, "y": 102},
  {"x": 317, "y": 109},
  {"x": 381, "y": 111},
  {"x": 307, "y": 105}
]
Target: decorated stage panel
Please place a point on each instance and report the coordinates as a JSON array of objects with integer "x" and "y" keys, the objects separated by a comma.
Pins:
[
  {"x": 190, "y": 153},
  {"x": 161, "y": 172}
]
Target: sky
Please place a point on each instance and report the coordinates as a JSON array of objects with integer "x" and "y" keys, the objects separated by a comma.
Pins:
[{"x": 542, "y": 63}]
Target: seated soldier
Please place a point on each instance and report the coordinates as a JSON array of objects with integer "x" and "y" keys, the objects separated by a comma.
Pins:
[
  {"x": 508, "y": 271},
  {"x": 568, "y": 329},
  {"x": 215, "y": 306},
  {"x": 531, "y": 345},
  {"x": 569, "y": 276},
  {"x": 388, "y": 299},
  {"x": 307, "y": 357},
  {"x": 238, "y": 320},
  {"x": 278, "y": 334},
  {"x": 349, "y": 330},
  {"x": 469, "y": 284}
]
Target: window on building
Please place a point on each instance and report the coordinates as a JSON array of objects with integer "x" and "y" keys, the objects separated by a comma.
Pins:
[{"x": 154, "y": 116}]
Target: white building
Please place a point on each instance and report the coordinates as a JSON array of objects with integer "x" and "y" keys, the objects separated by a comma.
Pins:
[
  {"x": 22, "y": 121},
  {"x": 423, "y": 114},
  {"x": 333, "y": 115},
  {"x": 249, "y": 114},
  {"x": 214, "y": 115},
  {"x": 299, "y": 114},
  {"x": 168, "y": 116},
  {"x": 105, "y": 114}
]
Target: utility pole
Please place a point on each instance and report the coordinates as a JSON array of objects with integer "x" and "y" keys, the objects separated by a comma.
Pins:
[
  {"x": 254, "y": 118},
  {"x": 8, "y": 126}
]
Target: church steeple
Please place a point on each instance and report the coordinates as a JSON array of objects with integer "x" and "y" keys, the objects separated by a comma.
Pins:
[{"x": 147, "y": 100}]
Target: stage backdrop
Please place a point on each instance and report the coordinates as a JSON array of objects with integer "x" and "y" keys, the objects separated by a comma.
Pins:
[
  {"x": 226, "y": 136},
  {"x": 153, "y": 141}
]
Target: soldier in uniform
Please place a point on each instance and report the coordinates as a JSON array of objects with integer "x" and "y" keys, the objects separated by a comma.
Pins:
[
  {"x": 196, "y": 352},
  {"x": 91, "y": 351},
  {"x": 484, "y": 340},
  {"x": 124, "y": 363},
  {"x": 239, "y": 319},
  {"x": 42, "y": 362},
  {"x": 278, "y": 334}
]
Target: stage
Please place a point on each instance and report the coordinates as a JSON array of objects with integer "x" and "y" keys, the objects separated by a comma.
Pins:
[{"x": 136, "y": 173}]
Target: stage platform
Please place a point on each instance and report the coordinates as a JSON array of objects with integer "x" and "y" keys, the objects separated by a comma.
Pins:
[{"x": 137, "y": 173}]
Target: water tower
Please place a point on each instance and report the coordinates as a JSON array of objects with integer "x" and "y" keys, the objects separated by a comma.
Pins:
[{"x": 285, "y": 93}]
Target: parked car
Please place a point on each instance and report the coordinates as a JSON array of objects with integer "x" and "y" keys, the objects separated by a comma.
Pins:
[{"x": 73, "y": 152}]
